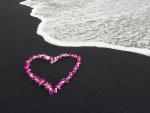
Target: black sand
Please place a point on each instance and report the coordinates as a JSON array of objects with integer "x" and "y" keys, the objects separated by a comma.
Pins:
[{"x": 109, "y": 81}]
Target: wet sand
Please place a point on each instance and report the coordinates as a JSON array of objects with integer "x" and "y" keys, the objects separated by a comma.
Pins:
[{"x": 109, "y": 81}]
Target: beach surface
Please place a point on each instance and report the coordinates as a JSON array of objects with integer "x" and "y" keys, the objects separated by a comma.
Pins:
[{"x": 109, "y": 81}]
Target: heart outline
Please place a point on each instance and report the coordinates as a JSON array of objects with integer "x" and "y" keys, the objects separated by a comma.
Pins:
[{"x": 52, "y": 89}]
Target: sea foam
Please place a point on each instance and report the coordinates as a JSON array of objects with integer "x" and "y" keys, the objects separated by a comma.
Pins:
[{"x": 116, "y": 24}]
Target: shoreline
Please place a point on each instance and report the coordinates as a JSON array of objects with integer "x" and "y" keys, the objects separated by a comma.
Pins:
[{"x": 55, "y": 42}]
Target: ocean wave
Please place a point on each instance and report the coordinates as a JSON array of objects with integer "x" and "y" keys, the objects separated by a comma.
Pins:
[{"x": 116, "y": 24}]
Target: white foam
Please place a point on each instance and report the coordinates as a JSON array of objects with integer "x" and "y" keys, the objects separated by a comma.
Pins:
[{"x": 116, "y": 24}]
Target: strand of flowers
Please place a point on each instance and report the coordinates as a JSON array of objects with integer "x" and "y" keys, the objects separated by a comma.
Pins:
[{"x": 41, "y": 81}]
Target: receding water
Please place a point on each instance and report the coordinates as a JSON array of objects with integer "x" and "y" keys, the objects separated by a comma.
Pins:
[{"x": 117, "y": 24}]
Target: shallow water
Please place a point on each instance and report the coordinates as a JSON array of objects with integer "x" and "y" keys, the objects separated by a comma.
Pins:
[{"x": 116, "y": 24}]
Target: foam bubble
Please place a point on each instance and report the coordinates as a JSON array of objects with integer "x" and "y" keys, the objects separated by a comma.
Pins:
[{"x": 116, "y": 24}]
